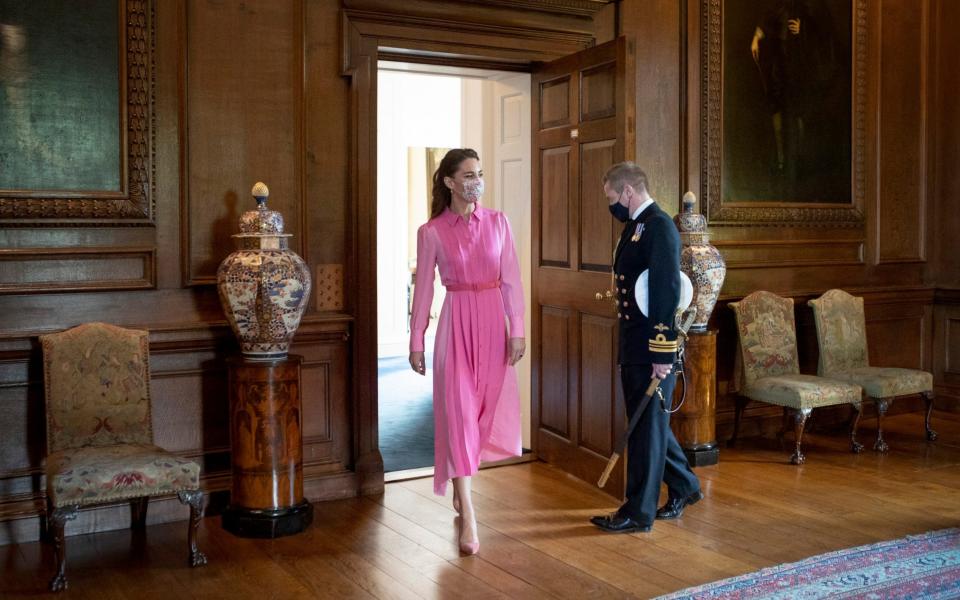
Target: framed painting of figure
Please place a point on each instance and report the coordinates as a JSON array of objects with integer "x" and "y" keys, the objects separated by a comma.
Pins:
[
  {"x": 75, "y": 111},
  {"x": 783, "y": 105}
]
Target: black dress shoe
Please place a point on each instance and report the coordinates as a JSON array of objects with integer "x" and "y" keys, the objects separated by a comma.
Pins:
[
  {"x": 619, "y": 524},
  {"x": 674, "y": 506}
]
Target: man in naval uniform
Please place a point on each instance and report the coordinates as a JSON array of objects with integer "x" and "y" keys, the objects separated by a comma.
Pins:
[{"x": 647, "y": 348}]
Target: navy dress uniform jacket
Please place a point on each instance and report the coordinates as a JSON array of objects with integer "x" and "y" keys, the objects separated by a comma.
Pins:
[{"x": 650, "y": 242}]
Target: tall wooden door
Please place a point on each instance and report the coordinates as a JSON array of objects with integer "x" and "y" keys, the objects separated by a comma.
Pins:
[{"x": 583, "y": 109}]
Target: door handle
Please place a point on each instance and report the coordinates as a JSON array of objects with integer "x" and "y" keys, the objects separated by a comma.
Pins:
[{"x": 603, "y": 295}]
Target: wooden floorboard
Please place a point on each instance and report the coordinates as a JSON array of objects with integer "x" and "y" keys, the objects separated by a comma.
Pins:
[{"x": 536, "y": 541}]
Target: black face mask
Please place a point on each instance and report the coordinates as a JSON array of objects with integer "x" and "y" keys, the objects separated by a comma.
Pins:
[{"x": 619, "y": 211}]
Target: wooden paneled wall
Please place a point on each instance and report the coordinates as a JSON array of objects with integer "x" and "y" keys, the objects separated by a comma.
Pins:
[
  {"x": 233, "y": 93},
  {"x": 257, "y": 91},
  {"x": 240, "y": 92},
  {"x": 899, "y": 259},
  {"x": 945, "y": 270}
]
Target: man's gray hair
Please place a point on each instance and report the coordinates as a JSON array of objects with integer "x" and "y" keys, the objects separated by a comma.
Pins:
[{"x": 626, "y": 173}]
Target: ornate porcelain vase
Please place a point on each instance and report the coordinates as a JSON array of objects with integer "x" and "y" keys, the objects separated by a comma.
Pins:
[
  {"x": 264, "y": 286},
  {"x": 702, "y": 262}
]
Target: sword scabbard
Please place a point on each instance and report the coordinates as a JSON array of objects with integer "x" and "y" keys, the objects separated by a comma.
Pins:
[
  {"x": 611, "y": 463},
  {"x": 652, "y": 388}
]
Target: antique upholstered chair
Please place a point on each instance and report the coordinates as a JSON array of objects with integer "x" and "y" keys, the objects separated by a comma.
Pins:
[
  {"x": 842, "y": 337},
  {"x": 770, "y": 368},
  {"x": 99, "y": 434}
]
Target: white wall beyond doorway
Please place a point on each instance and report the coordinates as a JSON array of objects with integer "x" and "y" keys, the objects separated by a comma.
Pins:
[{"x": 413, "y": 111}]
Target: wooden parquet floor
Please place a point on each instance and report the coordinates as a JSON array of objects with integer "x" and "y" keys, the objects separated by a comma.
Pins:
[{"x": 535, "y": 539}]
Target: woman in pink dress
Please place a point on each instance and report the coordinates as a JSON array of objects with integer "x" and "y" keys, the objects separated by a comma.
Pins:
[{"x": 475, "y": 394}]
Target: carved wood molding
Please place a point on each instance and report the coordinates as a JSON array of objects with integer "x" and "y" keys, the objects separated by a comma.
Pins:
[
  {"x": 431, "y": 36},
  {"x": 325, "y": 367},
  {"x": 464, "y": 63},
  {"x": 775, "y": 213},
  {"x": 750, "y": 254},
  {"x": 949, "y": 361},
  {"x": 91, "y": 268},
  {"x": 173, "y": 338},
  {"x": 134, "y": 203},
  {"x": 947, "y": 296},
  {"x": 580, "y": 8}
]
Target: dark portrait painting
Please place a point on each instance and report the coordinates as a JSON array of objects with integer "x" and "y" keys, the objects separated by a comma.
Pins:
[
  {"x": 60, "y": 117},
  {"x": 787, "y": 101}
]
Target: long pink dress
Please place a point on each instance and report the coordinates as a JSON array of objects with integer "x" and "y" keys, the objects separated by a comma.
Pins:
[{"x": 476, "y": 406}]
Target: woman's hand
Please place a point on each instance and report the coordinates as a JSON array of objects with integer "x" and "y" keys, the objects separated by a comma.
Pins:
[
  {"x": 417, "y": 363},
  {"x": 515, "y": 349}
]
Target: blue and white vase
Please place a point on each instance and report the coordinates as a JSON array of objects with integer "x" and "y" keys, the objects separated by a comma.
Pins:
[
  {"x": 700, "y": 260},
  {"x": 264, "y": 286}
]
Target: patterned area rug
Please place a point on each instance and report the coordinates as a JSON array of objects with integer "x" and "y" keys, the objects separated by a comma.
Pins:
[{"x": 923, "y": 566}]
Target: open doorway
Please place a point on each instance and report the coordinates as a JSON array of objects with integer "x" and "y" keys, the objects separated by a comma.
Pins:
[{"x": 423, "y": 110}]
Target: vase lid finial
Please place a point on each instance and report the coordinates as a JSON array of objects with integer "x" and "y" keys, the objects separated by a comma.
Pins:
[
  {"x": 691, "y": 224},
  {"x": 260, "y": 192},
  {"x": 262, "y": 220}
]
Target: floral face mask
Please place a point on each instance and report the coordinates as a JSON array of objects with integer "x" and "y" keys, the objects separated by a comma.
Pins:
[{"x": 473, "y": 189}]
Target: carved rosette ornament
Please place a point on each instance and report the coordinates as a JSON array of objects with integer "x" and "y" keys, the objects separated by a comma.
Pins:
[
  {"x": 264, "y": 286},
  {"x": 701, "y": 261}
]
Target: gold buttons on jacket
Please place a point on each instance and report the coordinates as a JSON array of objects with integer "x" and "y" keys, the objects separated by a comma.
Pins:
[
  {"x": 622, "y": 278},
  {"x": 627, "y": 317},
  {"x": 623, "y": 291},
  {"x": 625, "y": 303},
  {"x": 619, "y": 316}
]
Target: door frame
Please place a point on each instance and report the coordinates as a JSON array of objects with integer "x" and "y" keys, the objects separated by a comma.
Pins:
[{"x": 367, "y": 37}]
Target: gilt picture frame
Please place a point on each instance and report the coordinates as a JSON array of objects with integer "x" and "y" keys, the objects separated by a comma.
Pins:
[
  {"x": 77, "y": 90},
  {"x": 784, "y": 140}
]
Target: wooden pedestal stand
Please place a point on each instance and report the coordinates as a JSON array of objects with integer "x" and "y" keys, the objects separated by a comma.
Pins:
[
  {"x": 266, "y": 449},
  {"x": 695, "y": 424}
]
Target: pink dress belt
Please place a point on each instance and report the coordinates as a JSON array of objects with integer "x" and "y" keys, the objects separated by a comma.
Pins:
[{"x": 473, "y": 287}]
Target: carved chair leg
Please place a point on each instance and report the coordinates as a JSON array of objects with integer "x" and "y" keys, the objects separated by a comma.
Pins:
[
  {"x": 928, "y": 398},
  {"x": 856, "y": 446},
  {"x": 138, "y": 513},
  {"x": 58, "y": 521},
  {"x": 800, "y": 420},
  {"x": 741, "y": 403},
  {"x": 194, "y": 499},
  {"x": 882, "y": 405}
]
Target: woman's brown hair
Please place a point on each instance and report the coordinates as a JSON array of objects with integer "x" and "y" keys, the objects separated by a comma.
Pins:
[{"x": 442, "y": 196}]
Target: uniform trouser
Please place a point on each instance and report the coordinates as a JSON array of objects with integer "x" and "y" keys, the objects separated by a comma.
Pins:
[{"x": 653, "y": 454}]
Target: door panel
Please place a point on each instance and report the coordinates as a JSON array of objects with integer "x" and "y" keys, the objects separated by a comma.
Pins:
[
  {"x": 597, "y": 235},
  {"x": 583, "y": 114},
  {"x": 598, "y": 91},
  {"x": 554, "y": 410},
  {"x": 598, "y": 387},
  {"x": 554, "y": 102},
  {"x": 555, "y": 206}
]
